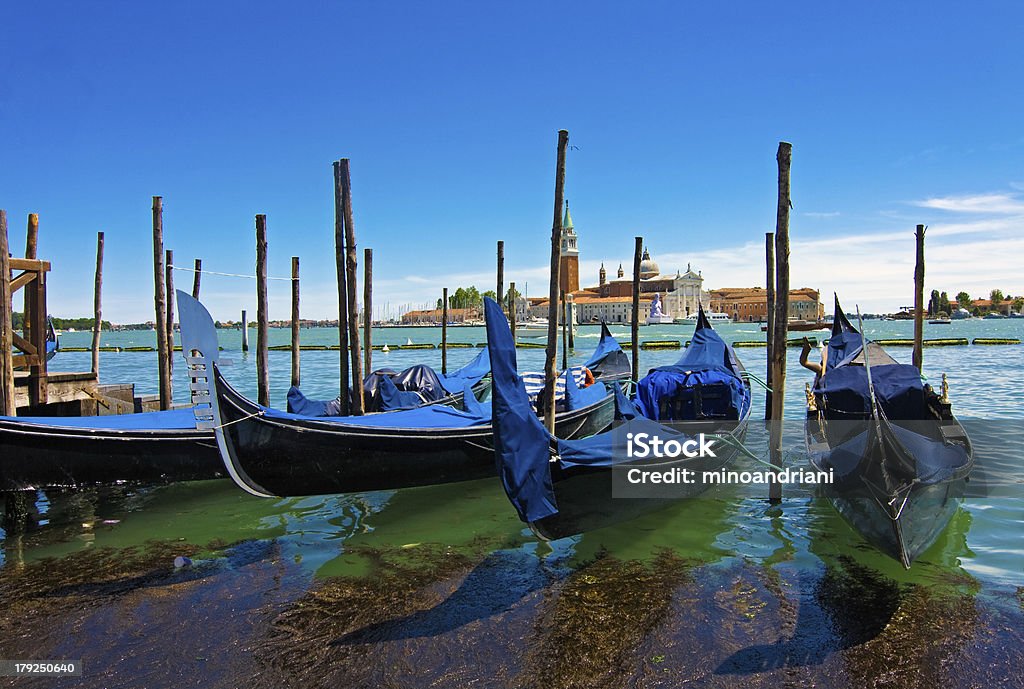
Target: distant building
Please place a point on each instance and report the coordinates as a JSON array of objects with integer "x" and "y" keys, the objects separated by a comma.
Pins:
[
  {"x": 569, "y": 261},
  {"x": 434, "y": 316},
  {"x": 750, "y": 304},
  {"x": 611, "y": 300},
  {"x": 608, "y": 309},
  {"x": 985, "y": 305}
]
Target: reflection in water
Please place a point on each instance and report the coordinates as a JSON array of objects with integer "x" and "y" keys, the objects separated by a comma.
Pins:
[{"x": 590, "y": 627}]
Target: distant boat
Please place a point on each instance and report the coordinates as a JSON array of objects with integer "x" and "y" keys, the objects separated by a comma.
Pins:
[
  {"x": 714, "y": 317},
  {"x": 940, "y": 321},
  {"x": 408, "y": 341},
  {"x": 961, "y": 314},
  {"x": 994, "y": 315}
]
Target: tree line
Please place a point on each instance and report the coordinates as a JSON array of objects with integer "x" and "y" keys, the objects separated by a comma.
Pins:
[
  {"x": 471, "y": 298},
  {"x": 18, "y": 322},
  {"x": 939, "y": 303}
]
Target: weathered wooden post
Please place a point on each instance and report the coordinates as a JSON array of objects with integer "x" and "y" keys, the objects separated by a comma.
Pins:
[
  {"x": 262, "y": 331},
  {"x": 501, "y": 272},
  {"x": 245, "y": 331},
  {"x": 548, "y": 394},
  {"x": 571, "y": 316},
  {"x": 635, "y": 317},
  {"x": 351, "y": 267},
  {"x": 444, "y": 330},
  {"x": 769, "y": 316},
  {"x": 160, "y": 302},
  {"x": 919, "y": 299},
  {"x": 367, "y": 311},
  {"x": 32, "y": 236},
  {"x": 339, "y": 261},
  {"x": 565, "y": 332},
  {"x": 784, "y": 156},
  {"x": 97, "y": 292},
  {"x": 35, "y": 319},
  {"x": 296, "y": 370},
  {"x": 7, "y": 403},
  {"x": 169, "y": 279},
  {"x": 197, "y": 278},
  {"x": 512, "y": 310},
  {"x": 31, "y": 252}
]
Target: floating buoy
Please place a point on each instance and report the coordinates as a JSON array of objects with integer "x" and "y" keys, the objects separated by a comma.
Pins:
[
  {"x": 995, "y": 341},
  {"x": 661, "y": 344},
  {"x": 408, "y": 341},
  {"x": 385, "y": 349}
]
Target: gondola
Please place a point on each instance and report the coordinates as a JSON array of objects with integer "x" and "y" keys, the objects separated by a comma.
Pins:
[
  {"x": 272, "y": 453},
  {"x": 562, "y": 487},
  {"x": 900, "y": 458},
  {"x": 153, "y": 447},
  {"x": 157, "y": 447}
]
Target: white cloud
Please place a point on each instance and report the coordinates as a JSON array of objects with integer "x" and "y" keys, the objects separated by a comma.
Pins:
[{"x": 976, "y": 203}]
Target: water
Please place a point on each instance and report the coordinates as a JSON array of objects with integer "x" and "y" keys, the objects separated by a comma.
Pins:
[{"x": 443, "y": 586}]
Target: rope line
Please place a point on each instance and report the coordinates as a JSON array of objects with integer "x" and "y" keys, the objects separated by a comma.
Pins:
[
  {"x": 244, "y": 418},
  {"x": 228, "y": 275}
]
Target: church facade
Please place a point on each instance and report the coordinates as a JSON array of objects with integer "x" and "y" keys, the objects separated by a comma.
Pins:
[{"x": 610, "y": 300}]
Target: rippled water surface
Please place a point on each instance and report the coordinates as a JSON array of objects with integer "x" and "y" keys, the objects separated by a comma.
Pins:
[{"x": 443, "y": 586}]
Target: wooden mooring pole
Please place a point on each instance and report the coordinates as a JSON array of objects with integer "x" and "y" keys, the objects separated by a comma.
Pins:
[
  {"x": 769, "y": 264},
  {"x": 31, "y": 252},
  {"x": 367, "y": 311},
  {"x": 565, "y": 332},
  {"x": 444, "y": 330},
  {"x": 571, "y": 317},
  {"x": 351, "y": 268},
  {"x": 784, "y": 157},
  {"x": 7, "y": 403},
  {"x": 919, "y": 299},
  {"x": 97, "y": 309},
  {"x": 512, "y": 310},
  {"x": 160, "y": 303},
  {"x": 262, "y": 328},
  {"x": 548, "y": 394},
  {"x": 169, "y": 279},
  {"x": 197, "y": 277},
  {"x": 245, "y": 331},
  {"x": 35, "y": 319},
  {"x": 499, "y": 295},
  {"x": 296, "y": 369},
  {"x": 339, "y": 262},
  {"x": 634, "y": 319}
]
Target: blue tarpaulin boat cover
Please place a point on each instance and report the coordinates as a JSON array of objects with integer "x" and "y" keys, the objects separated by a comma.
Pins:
[
  {"x": 704, "y": 383},
  {"x": 173, "y": 419},
  {"x": 523, "y": 446},
  {"x": 434, "y": 416},
  {"x": 898, "y": 389},
  {"x": 386, "y": 390}
]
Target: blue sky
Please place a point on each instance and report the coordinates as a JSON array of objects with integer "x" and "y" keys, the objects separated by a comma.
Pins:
[{"x": 449, "y": 113}]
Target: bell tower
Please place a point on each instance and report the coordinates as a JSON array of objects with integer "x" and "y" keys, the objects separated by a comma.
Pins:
[{"x": 569, "y": 261}]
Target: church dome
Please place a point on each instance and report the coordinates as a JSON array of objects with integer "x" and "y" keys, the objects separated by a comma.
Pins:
[{"x": 648, "y": 268}]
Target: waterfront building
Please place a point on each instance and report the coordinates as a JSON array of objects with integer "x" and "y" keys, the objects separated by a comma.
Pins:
[{"x": 750, "y": 304}]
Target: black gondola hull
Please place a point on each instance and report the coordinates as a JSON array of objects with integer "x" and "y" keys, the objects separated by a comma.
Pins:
[
  {"x": 586, "y": 500},
  {"x": 311, "y": 457},
  {"x": 35, "y": 456}
]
